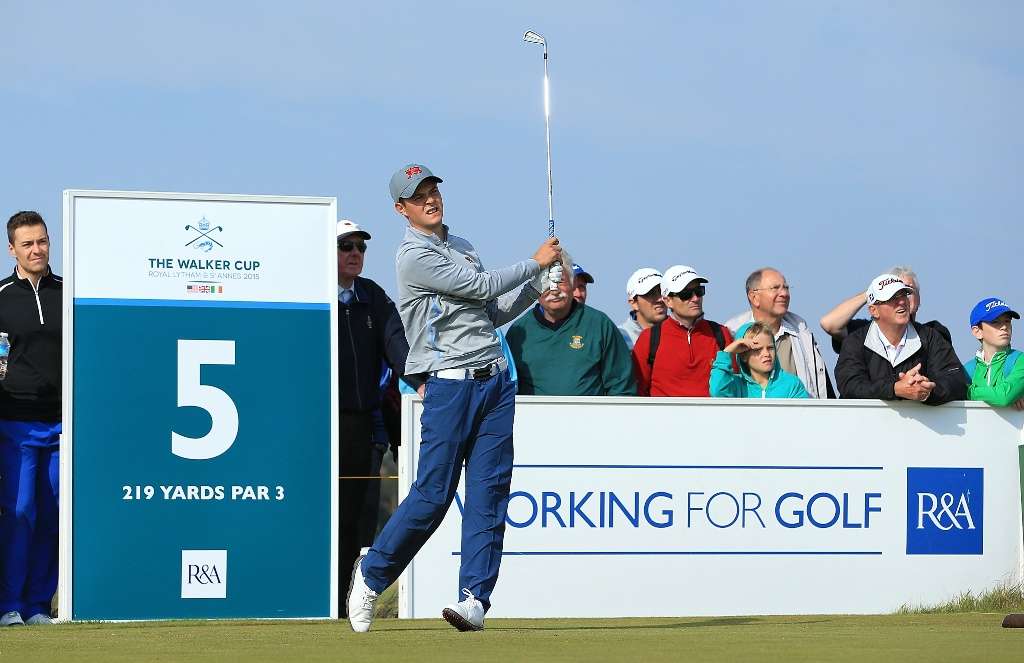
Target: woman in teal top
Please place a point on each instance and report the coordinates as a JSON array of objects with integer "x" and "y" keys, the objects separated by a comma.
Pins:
[{"x": 760, "y": 375}]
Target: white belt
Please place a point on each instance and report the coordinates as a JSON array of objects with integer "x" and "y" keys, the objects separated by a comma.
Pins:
[{"x": 472, "y": 372}]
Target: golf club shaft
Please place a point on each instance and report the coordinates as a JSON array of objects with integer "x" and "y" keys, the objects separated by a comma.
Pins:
[{"x": 547, "y": 139}]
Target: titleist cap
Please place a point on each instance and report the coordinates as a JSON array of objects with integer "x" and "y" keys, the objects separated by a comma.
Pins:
[
  {"x": 989, "y": 309},
  {"x": 884, "y": 287}
]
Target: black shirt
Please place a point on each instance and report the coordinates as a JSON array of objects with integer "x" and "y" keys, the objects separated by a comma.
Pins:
[{"x": 32, "y": 317}]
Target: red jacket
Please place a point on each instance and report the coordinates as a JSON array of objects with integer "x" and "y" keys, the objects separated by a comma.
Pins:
[{"x": 682, "y": 366}]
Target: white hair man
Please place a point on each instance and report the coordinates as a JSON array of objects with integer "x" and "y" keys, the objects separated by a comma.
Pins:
[
  {"x": 565, "y": 348},
  {"x": 768, "y": 293}
]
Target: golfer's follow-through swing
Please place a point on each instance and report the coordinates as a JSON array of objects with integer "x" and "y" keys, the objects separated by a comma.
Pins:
[{"x": 450, "y": 306}]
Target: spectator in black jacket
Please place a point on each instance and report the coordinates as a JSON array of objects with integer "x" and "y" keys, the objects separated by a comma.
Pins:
[
  {"x": 31, "y": 306},
  {"x": 839, "y": 322},
  {"x": 369, "y": 331},
  {"x": 895, "y": 358}
]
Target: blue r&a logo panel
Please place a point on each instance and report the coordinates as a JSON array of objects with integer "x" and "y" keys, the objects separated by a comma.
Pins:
[{"x": 945, "y": 510}]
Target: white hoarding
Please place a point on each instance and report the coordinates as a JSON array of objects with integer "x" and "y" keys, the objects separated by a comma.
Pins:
[{"x": 660, "y": 507}]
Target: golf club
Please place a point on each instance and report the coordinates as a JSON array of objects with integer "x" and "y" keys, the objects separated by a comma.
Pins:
[
  {"x": 205, "y": 233},
  {"x": 534, "y": 38}
]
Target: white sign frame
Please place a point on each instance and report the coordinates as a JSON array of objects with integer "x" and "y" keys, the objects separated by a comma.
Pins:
[{"x": 71, "y": 197}]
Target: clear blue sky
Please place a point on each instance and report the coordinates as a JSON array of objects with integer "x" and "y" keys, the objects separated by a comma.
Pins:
[{"x": 829, "y": 139}]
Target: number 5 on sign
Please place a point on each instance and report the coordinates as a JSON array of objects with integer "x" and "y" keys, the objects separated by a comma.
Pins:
[{"x": 192, "y": 393}]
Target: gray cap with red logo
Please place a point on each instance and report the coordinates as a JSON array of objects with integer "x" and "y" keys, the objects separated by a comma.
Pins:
[{"x": 407, "y": 178}]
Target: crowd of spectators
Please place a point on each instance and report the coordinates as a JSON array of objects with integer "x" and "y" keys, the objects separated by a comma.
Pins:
[{"x": 667, "y": 347}]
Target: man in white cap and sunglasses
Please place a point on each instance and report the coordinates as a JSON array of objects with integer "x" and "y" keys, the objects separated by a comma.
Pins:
[
  {"x": 369, "y": 332},
  {"x": 895, "y": 357},
  {"x": 674, "y": 356},
  {"x": 451, "y": 306}
]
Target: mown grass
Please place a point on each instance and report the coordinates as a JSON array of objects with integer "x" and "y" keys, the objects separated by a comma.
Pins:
[
  {"x": 971, "y": 637},
  {"x": 1003, "y": 598}
]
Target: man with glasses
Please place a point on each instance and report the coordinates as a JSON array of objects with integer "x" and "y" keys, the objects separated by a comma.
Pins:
[
  {"x": 894, "y": 357},
  {"x": 643, "y": 294},
  {"x": 451, "y": 307},
  {"x": 369, "y": 332},
  {"x": 769, "y": 295},
  {"x": 674, "y": 357}
]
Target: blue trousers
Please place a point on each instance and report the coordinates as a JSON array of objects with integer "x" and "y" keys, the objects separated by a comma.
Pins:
[
  {"x": 29, "y": 475},
  {"x": 463, "y": 421}
]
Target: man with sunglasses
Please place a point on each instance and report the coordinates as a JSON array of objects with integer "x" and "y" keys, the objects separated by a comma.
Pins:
[
  {"x": 768, "y": 293},
  {"x": 674, "y": 357},
  {"x": 451, "y": 307},
  {"x": 894, "y": 357},
  {"x": 369, "y": 332}
]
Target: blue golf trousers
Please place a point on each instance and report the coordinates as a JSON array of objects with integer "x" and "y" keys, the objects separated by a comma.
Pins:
[
  {"x": 29, "y": 471},
  {"x": 463, "y": 421}
]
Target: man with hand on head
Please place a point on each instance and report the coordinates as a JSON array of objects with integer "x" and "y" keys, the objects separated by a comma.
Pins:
[
  {"x": 450, "y": 306},
  {"x": 769, "y": 295},
  {"x": 369, "y": 333},
  {"x": 839, "y": 322},
  {"x": 674, "y": 356},
  {"x": 643, "y": 294},
  {"x": 565, "y": 348},
  {"x": 896, "y": 358}
]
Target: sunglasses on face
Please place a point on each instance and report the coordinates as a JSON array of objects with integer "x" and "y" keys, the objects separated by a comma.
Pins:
[
  {"x": 688, "y": 293},
  {"x": 345, "y": 246}
]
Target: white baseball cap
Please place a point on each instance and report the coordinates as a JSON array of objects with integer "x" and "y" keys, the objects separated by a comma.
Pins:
[
  {"x": 677, "y": 277},
  {"x": 642, "y": 282},
  {"x": 346, "y": 227},
  {"x": 884, "y": 287}
]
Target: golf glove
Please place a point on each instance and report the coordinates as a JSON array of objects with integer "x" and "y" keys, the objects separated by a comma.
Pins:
[{"x": 554, "y": 276}]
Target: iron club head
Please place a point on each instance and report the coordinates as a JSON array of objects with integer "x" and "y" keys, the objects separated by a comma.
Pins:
[{"x": 534, "y": 38}]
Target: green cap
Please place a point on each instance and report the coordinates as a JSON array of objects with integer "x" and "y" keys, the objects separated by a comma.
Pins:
[{"x": 407, "y": 178}]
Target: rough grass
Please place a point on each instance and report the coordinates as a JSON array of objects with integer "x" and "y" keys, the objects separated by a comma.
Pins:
[
  {"x": 1003, "y": 598},
  {"x": 970, "y": 637}
]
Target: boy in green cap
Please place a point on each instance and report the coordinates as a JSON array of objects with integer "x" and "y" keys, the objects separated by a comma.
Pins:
[{"x": 996, "y": 376}]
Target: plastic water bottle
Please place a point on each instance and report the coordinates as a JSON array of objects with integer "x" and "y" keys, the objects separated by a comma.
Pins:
[{"x": 5, "y": 352}]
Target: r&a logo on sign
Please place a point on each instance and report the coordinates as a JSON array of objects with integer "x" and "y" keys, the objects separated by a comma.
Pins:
[
  {"x": 945, "y": 510},
  {"x": 204, "y": 574}
]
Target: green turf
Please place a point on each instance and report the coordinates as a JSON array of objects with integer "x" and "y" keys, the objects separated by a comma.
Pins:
[{"x": 970, "y": 637}]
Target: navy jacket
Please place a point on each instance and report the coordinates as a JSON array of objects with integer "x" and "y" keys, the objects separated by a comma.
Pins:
[{"x": 369, "y": 331}]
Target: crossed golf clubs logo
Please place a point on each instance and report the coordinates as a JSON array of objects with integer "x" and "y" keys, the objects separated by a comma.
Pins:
[{"x": 204, "y": 233}]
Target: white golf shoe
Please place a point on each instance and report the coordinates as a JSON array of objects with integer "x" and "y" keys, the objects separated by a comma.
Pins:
[
  {"x": 39, "y": 619},
  {"x": 466, "y": 615},
  {"x": 12, "y": 618},
  {"x": 361, "y": 599}
]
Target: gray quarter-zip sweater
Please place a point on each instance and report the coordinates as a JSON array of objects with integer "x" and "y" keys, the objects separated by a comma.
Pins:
[{"x": 450, "y": 306}]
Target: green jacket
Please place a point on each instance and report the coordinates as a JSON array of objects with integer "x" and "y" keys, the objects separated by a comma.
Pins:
[
  {"x": 582, "y": 355},
  {"x": 989, "y": 384}
]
